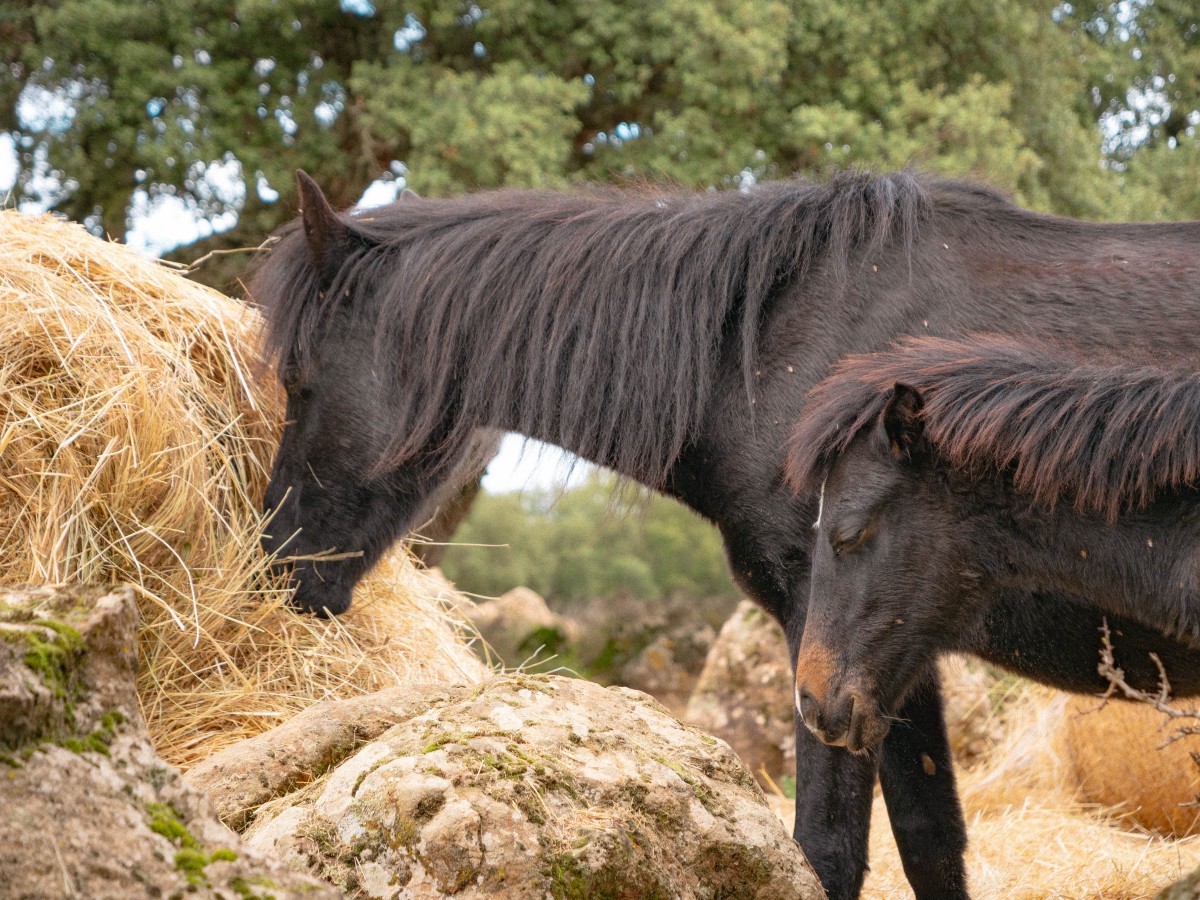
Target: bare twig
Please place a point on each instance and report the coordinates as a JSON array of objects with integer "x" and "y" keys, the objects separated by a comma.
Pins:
[
  {"x": 187, "y": 268},
  {"x": 1161, "y": 700}
]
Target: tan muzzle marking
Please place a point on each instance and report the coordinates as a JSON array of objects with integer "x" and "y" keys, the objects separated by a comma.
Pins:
[{"x": 815, "y": 667}]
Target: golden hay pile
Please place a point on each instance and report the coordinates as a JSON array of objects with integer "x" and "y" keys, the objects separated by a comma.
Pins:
[{"x": 135, "y": 443}]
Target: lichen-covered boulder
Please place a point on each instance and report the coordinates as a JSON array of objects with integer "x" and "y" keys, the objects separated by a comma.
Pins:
[
  {"x": 744, "y": 694},
  {"x": 87, "y": 808},
  {"x": 536, "y": 786},
  {"x": 1186, "y": 888},
  {"x": 241, "y": 778},
  {"x": 669, "y": 666}
]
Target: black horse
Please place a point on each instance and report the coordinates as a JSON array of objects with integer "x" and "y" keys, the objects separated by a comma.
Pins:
[
  {"x": 673, "y": 338},
  {"x": 951, "y": 471}
]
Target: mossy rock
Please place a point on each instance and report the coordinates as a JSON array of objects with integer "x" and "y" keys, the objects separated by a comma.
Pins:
[{"x": 539, "y": 786}]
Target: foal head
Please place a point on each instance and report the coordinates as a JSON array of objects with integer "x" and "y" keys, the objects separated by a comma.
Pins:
[
  {"x": 892, "y": 576},
  {"x": 924, "y": 485}
]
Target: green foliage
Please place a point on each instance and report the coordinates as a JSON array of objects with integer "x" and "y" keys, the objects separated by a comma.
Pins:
[
  {"x": 100, "y": 739},
  {"x": 55, "y": 657},
  {"x": 534, "y": 92},
  {"x": 593, "y": 541},
  {"x": 506, "y": 126}
]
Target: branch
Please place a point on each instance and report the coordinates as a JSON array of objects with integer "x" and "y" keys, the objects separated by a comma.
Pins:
[
  {"x": 1160, "y": 701},
  {"x": 185, "y": 268}
]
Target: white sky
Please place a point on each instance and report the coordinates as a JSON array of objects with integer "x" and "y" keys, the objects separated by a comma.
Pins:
[
  {"x": 527, "y": 464},
  {"x": 8, "y": 163}
]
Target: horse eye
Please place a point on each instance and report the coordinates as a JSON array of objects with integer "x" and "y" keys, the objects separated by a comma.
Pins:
[
  {"x": 848, "y": 539},
  {"x": 289, "y": 376}
]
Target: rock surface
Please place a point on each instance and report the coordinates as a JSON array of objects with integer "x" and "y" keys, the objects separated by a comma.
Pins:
[
  {"x": 533, "y": 786},
  {"x": 89, "y": 809},
  {"x": 245, "y": 776},
  {"x": 1187, "y": 888},
  {"x": 744, "y": 694},
  {"x": 669, "y": 667}
]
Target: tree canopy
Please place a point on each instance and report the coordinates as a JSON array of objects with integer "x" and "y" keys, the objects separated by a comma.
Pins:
[{"x": 1088, "y": 110}]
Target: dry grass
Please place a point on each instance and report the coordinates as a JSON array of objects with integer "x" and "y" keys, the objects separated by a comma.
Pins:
[
  {"x": 134, "y": 446},
  {"x": 1154, "y": 777},
  {"x": 1031, "y": 836}
]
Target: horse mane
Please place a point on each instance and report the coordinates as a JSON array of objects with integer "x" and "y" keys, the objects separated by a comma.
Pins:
[
  {"x": 593, "y": 320},
  {"x": 1110, "y": 434}
]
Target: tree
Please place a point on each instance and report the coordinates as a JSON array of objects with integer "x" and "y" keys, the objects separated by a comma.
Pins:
[
  {"x": 588, "y": 543},
  {"x": 109, "y": 98}
]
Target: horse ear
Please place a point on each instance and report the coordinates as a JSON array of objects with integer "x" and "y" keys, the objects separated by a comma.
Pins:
[
  {"x": 326, "y": 234},
  {"x": 903, "y": 427}
]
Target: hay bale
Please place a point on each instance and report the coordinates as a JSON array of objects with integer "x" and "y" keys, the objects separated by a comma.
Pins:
[
  {"x": 135, "y": 443},
  {"x": 1122, "y": 756},
  {"x": 976, "y": 697}
]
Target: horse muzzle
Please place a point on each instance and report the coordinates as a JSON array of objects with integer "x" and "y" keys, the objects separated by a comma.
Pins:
[
  {"x": 848, "y": 718},
  {"x": 836, "y": 709},
  {"x": 321, "y": 599}
]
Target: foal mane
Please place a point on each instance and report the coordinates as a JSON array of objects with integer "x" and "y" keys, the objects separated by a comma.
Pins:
[
  {"x": 1107, "y": 434},
  {"x": 595, "y": 321}
]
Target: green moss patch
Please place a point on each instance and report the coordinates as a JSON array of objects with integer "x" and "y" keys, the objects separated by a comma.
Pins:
[
  {"x": 245, "y": 887},
  {"x": 100, "y": 739},
  {"x": 192, "y": 862},
  {"x": 165, "y": 820},
  {"x": 53, "y": 650}
]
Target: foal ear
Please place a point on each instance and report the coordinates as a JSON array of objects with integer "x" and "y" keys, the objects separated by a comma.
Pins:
[
  {"x": 325, "y": 232},
  {"x": 903, "y": 426}
]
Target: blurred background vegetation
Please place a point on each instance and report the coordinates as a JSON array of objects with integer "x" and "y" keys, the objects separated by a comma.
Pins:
[
  {"x": 587, "y": 541},
  {"x": 117, "y": 113}
]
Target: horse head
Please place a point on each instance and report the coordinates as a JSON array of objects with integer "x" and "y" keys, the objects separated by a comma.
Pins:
[{"x": 333, "y": 507}]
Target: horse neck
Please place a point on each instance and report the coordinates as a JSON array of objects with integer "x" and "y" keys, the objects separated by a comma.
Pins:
[{"x": 1144, "y": 566}]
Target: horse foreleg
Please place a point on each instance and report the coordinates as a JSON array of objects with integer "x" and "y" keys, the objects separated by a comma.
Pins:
[
  {"x": 833, "y": 812},
  {"x": 917, "y": 776}
]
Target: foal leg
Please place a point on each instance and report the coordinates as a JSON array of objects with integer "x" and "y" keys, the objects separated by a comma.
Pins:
[
  {"x": 834, "y": 789},
  {"x": 917, "y": 776},
  {"x": 833, "y": 812}
]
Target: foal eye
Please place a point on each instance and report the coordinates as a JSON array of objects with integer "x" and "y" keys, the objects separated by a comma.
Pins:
[
  {"x": 847, "y": 539},
  {"x": 289, "y": 377}
]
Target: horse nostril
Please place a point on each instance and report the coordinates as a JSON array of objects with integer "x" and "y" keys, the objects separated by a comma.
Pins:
[
  {"x": 809, "y": 709},
  {"x": 854, "y": 731}
]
